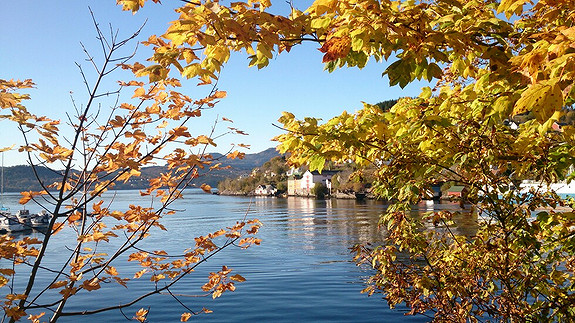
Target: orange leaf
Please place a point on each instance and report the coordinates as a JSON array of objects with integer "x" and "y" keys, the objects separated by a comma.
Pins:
[
  {"x": 238, "y": 278},
  {"x": 57, "y": 227},
  {"x": 220, "y": 94},
  {"x": 236, "y": 154},
  {"x": 141, "y": 315},
  {"x": 206, "y": 188},
  {"x": 140, "y": 273},
  {"x": 335, "y": 48},
  {"x": 112, "y": 271},
  {"x": 59, "y": 284},
  {"x": 185, "y": 317},
  {"x": 27, "y": 196},
  {"x": 35, "y": 318},
  {"x": 75, "y": 216},
  {"x": 139, "y": 92},
  {"x": 92, "y": 284}
]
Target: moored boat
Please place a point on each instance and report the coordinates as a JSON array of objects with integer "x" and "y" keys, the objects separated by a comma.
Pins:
[
  {"x": 23, "y": 216},
  {"x": 40, "y": 219},
  {"x": 9, "y": 222}
]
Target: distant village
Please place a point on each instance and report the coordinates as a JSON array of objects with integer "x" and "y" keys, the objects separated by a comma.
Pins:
[{"x": 275, "y": 178}]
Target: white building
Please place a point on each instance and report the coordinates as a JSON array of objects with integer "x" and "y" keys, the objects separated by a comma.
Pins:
[
  {"x": 265, "y": 190},
  {"x": 305, "y": 184}
]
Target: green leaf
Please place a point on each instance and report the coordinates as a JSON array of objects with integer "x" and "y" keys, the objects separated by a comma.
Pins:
[{"x": 316, "y": 163}]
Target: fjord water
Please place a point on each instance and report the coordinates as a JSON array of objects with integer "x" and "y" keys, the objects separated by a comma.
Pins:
[{"x": 302, "y": 271}]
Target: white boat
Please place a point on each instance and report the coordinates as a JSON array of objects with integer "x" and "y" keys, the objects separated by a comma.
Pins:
[
  {"x": 559, "y": 188},
  {"x": 9, "y": 222},
  {"x": 23, "y": 217},
  {"x": 40, "y": 219}
]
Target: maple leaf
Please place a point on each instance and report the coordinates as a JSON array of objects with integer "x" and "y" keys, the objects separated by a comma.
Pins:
[
  {"x": 236, "y": 154},
  {"x": 141, "y": 315},
  {"x": 335, "y": 48},
  {"x": 91, "y": 285}
]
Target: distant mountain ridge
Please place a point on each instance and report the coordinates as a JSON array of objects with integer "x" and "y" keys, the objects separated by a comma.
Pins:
[{"x": 21, "y": 178}]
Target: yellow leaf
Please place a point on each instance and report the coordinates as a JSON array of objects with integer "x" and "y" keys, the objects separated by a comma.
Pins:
[{"x": 542, "y": 98}]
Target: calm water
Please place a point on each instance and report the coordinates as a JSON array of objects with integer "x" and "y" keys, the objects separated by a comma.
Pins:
[{"x": 302, "y": 271}]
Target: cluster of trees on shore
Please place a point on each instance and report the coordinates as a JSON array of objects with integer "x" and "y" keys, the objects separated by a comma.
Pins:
[{"x": 272, "y": 172}]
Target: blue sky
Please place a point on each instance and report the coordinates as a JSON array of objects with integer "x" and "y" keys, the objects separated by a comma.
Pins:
[{"x": 41, "y": 40}]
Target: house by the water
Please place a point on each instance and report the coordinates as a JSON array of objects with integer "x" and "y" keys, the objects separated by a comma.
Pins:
[
  {"x": 265, "y": 190},
  {"x": 303, "y": 184}
]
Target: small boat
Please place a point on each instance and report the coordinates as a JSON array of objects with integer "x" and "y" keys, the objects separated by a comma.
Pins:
[
  {"x": 23, "y": 217},
  {"x": 40, "y": 219},
  {"x": 9, "y": 222}
]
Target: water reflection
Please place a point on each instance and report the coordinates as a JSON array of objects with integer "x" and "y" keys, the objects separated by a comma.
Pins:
[
  {"x": 464, "y": 222},
  {"x": 303, "y": 271}
]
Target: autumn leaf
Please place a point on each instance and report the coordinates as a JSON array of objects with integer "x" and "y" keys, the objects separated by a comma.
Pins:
[
  {"x": 140, "y": 273},
  {"x": 206, "y": 188},
  {"x": 57, "y": 227},
  {"x": 185, "y": 317},
  {"x": 139, "y": 92},
  {"x": 543, "y": 98},
  {"x": 236, "y": 154},
  {"x": 26, "y": 197},
  {"x": 6, "y": 148},
  {"x": 141, "y": 315},
  {"x": 111, "y": 271},
  {"x": 238, "y": 278},
  {"x": 14, "y": 312},
  {"x": 58, "y": 284},
  {"x": 91, "y": 285},
  {"x": 335, "y": 48},
  {"x": 36, "y": 318},
  {"x": 219, "y": 94}
]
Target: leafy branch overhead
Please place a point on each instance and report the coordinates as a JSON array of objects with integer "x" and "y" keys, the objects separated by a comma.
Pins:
[{"x": 488, "y": 62}]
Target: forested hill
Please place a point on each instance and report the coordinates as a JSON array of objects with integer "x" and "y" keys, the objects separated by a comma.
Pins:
[{"x": 21, "y": 178}]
